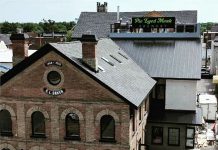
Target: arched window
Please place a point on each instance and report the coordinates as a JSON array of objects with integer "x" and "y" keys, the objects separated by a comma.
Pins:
[
  {"x": 5, "y": 123},
  {"x": 107, "y": 129},
  {"x": 38, "y": 124},
  {"x": 72, "y": 127}
]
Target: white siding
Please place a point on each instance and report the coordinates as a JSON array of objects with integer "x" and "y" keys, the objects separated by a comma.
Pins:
[
  {"x": 214, "y": 58},
  {"x": 181, "y": 94}
]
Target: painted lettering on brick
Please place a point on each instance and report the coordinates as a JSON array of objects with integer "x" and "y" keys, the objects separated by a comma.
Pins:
[
  {"x": 54, "y": 92},
  {"x": 53, "y": 63}
]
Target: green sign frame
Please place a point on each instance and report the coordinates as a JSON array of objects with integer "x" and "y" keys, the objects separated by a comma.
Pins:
[{"x": 153, "y": 22}]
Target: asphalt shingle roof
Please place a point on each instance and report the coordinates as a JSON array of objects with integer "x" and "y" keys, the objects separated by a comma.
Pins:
[
  {"x": 176, "y": 59},
  {"x": 98, "y": 23},
  {"x": 126, "y": 78}
]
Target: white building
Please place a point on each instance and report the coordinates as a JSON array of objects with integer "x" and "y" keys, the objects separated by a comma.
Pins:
[
  {"x": 214, "y": 56},
  {"x": 5, "y": 57}
]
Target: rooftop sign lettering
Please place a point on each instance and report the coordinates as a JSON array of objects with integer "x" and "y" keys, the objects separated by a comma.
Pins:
[{"x": 157, "y": 22}]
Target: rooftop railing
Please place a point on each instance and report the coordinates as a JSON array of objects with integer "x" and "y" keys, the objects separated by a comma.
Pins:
[{"x": 125, "y": 30}]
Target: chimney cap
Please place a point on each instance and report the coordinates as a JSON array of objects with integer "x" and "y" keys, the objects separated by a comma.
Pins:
[
  {"x": 19, "y": 36},
  {"x": 88, "y": 38}
]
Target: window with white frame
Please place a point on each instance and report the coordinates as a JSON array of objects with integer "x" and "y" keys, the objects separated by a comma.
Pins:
[{"x": 190, "y": 137}]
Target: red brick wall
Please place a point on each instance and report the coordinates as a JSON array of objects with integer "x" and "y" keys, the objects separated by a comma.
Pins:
[
  {"x": 89, "y": 50},
  {"x": 24, "y": 94}
]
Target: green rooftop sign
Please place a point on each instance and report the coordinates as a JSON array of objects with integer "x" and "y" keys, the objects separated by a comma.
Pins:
[{"x": 153, "y": 22}]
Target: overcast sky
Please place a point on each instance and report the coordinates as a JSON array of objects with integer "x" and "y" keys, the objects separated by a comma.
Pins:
[{"x": 68, "y": 10}]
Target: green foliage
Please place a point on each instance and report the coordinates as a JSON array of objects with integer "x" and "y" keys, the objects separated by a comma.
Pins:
[
  {"x": 44, "y": 26},
  {"x": 206, "y": 26},
  {"x": 7, "y": 27},
  {"x": 69, "y": 35}
]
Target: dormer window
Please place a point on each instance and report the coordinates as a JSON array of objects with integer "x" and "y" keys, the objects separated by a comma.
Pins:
[{"x": 54, "y": 78}]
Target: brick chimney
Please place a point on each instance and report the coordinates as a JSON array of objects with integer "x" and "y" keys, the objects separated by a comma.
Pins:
[
  {"x": 19, "y": 46},
  {"x": 101, "y": 7},
  {"x": 89, "y": 56}
]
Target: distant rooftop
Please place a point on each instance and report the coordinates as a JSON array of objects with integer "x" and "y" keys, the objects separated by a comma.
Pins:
[
  {"x": 5, "y": 38},
  {"x": 214, "y": 28},
  {"x": 100, "y": 24}
]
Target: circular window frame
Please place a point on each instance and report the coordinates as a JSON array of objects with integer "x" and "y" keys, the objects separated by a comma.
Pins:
[
  {"x": 57, "y": 76},
  {"x": 48, "y": 84}
]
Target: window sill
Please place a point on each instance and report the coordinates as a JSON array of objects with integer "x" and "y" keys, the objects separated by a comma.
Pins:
[
  {"x": 38, "y": 136},
  {"x": 7, "y": 134},
  {"x": 74, "y": 138},
  {"x": 173, "y": 144},
  {"x": 108, "y": 140}
]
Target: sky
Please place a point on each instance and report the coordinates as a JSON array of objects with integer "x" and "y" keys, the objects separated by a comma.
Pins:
[{"x": 69, "y": 10}]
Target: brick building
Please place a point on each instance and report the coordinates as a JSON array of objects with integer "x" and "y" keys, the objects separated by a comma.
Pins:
[
  {"x": 86, "y": 95},
  {"x": 166, "y": 45}
]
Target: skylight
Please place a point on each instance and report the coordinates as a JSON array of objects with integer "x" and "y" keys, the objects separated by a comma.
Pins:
[
  {"x": 106, "y": 60},
  {"x": 116, "y": 59},
  {"x": 123, "y": 55},
  {"x": 101, "y": 68}
]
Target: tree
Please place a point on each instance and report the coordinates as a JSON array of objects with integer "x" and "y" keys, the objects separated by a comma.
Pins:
[
  {"x": 206, "y": 26},
  {"x": 28, "y": 27},
  {"x": 60, "y": 28},
  {"x": 8, "y": 28},
  {"x": 48, "y": 25},
  {"x": 69, "y": 35}
]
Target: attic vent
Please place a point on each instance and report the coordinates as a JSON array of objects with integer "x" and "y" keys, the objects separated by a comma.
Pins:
[
  {"x": 100, "y": 68},
  {"x": 123, "y": 55},
  {"x": 107, "y": 61},
  {"x": 116, "y": 58}
]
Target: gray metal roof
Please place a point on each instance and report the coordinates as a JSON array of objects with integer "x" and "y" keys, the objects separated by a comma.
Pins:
[
  {"x": 98, "y": 23},
  {"x": 5, "y": 38},
  {"x": 179, "y": 59},
  {"x": 126, "y": 78}
]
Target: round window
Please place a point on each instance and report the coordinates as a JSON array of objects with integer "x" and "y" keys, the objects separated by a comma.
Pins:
[{"x": 54, "y": 78}]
